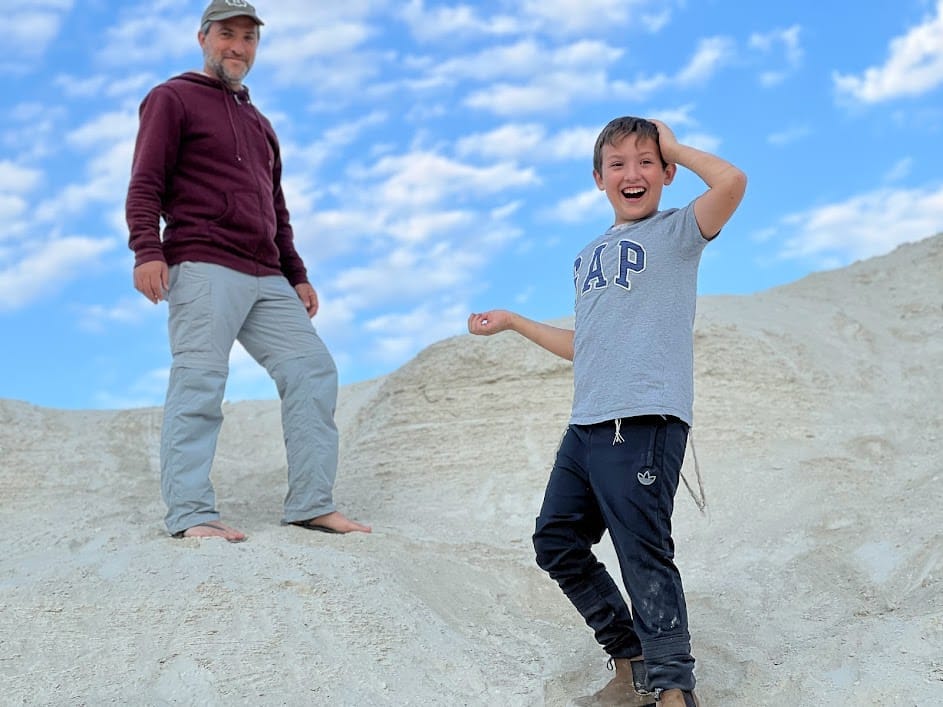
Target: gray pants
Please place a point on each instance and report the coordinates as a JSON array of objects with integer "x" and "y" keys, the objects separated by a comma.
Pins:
[{"x": 211, "y": 307}]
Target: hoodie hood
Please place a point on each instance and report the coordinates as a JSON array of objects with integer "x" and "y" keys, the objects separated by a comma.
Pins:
[{"x": 198, "y": 77}]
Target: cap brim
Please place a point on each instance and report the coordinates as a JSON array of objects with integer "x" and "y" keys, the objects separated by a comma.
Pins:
[{"x": 218, "y": 16}]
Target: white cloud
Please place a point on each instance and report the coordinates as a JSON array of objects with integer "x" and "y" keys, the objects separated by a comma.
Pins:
[
  {"x": 89, "y": 87},
  {"x": 553, "y": 17},
  {"x": 46, "y": 268},
  {"x": 530, "y": 141},
  {"x": 581, "y": 207},
  {"x": 675, "y": 117},
  {"x": 420, "y": 179},
  {"x": 901, "y": 170},
  {"x": 147, "y": 390},
  {"x": 789, "y": 135},
  {"x": 406, "y": 332},
  {"x": 17, "y": 179},
  {"x": 32, "y": 131},
  {"x": 573, "y": 144},
  {"x": 299, "y": 42},
  {"x": 12, "y": 207},
  {"x": 551, "y": 77},
  {"x": 579, "y": 18},
  {"x": 16, "y": 182},
  {"x": 640, "y": 88},
  {"x": 768, "y": 42},
  {"x": 422, "y": 227},
  {"x": 710, "y": 55},
  {"x": 146, "y": 34},
  {"x": 511, "y": 140},
  {"x": 103, "y": 130},
  {"x": 322, "y": 47},
  {"x": 106, "y": 183},
  {"x": 865, "y": 225},
  {"x": 331, "y": 142},
  {"x": 414, "y": 273},
  {"x": 247, "y": 378},
  {"x": 549, "y": 91},
  {"x": 98, "y": 318},
  {"x": 428, "y": 25},
  {"x": 914, "y": 66},
  {"x": 31, "y": 27},
  {"x": 523, "y": 297},
  {"x": 526, "y": 58},
  {"x": 702, "y": 141}
]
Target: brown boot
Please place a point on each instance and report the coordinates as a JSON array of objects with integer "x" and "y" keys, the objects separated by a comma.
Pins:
[
  {"x": 621, "y": 691},
  {"x": 677, "y": 698}
]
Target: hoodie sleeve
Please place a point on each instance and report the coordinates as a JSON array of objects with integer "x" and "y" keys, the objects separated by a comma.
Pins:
[
  {"x": 162, "y": 115},
  {"x": 292, "y": 265}
]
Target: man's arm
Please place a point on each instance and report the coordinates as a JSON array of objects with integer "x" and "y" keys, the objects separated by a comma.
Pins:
[
  {"x": 726, "y": 183},
  {"x": 155, "y": 151},
  {"x": 553, "y": 339},
  {"x": 292, "y": 266}
]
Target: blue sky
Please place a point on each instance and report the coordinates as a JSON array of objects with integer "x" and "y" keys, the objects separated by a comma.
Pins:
[{"x": 437, "y": 159}]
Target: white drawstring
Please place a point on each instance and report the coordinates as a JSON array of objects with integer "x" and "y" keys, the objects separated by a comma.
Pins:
[
  {"x": 701, "y": 502},
  {"x": 618, "y": 438}
]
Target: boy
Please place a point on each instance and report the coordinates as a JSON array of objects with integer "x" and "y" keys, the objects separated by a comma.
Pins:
[{"x": 619, "y": 462}]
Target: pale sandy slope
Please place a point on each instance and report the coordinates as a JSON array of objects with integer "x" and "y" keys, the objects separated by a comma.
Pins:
[{"x": 816, "y": 576}]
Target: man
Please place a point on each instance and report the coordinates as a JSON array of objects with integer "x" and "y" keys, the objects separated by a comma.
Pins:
[{"x": 208, "y": 162}]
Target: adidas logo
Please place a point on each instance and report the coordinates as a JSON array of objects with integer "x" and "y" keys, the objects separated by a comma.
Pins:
[{"x": 646, "y": 479}]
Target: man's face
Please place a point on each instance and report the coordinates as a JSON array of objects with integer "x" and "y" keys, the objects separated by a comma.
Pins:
[
  {"x": 633, "y": 177},
  {"x": 229, "y": 49}
]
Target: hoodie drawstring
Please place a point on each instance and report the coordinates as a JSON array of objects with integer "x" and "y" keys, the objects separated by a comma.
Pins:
[{"x": 232, "y": 122}]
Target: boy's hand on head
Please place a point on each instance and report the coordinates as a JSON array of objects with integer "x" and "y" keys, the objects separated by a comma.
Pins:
[
  {"x": 489, "y": 322},
  {"x": 666, "y": 140}
]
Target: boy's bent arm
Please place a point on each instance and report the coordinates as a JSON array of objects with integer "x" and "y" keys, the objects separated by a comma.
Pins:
[
  {"x": 726, "y": 183},
  {"x": 554, "y": 339}
]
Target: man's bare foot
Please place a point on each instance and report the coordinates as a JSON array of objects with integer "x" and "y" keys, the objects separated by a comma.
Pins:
[
  {"x": 214, "y": 529},
  {"x": 333, "y": 522}
]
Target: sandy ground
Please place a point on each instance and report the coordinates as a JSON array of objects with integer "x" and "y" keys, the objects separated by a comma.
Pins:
[{"x": 814, "y": 577}]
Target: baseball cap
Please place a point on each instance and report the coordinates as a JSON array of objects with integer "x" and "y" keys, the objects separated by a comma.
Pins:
[{"x": 224, "y": 9}]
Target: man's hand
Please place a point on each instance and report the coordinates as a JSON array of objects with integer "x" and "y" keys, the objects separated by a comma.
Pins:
[
  {"x": 151, "y": 280},
  {"x": 308, "y": 297}
]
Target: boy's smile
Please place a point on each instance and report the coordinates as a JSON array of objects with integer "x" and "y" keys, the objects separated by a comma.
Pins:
[{"x": 633, "y": 177}]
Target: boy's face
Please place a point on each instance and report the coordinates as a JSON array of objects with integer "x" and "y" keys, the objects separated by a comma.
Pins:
[{"x": 633, "y": 177}]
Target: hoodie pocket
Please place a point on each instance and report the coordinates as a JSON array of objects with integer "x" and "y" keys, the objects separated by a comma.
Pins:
[{"x": 244, "y": 223}]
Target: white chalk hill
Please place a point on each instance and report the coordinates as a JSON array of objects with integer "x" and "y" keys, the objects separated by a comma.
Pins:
[{"x": 815, "y": 576}]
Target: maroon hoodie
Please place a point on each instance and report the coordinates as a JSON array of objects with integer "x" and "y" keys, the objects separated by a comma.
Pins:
[{"x": 208, "y": 162}]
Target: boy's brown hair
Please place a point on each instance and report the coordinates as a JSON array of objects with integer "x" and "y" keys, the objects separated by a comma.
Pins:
[{"x": 619, "y": 128}]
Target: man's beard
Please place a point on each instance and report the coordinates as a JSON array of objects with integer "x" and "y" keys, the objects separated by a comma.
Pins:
[{"x": 231, "y": 79}]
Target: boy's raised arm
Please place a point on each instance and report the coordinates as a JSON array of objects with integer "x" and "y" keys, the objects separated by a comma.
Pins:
[
  {"x": 553, "y": 339},
  {"x": 726, "y": 183}
]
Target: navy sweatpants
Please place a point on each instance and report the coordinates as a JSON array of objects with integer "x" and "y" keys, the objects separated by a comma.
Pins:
[{"x": 624, "y": 483}]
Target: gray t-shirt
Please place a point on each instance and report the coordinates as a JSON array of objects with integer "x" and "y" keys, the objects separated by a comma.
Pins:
[{"x": 636, "y": 291}]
